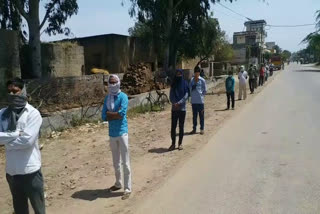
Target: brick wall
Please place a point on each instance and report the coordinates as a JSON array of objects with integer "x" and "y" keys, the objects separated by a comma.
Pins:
[
  {"x": 62, "y": 59},
  {"x": 9, "y": 58}
]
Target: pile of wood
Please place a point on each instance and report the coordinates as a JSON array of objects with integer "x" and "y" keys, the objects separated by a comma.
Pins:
[{"x": 138, "y": 79}]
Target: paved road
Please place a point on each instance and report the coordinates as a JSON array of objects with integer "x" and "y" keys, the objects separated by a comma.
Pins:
[{"x": 264, "y": 160}]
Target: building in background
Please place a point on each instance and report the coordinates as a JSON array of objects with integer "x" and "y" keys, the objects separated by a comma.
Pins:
[{"x": 249, "y": 45}]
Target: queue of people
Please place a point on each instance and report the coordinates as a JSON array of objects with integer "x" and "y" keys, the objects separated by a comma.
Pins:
[{"x": 20, "y": 126}]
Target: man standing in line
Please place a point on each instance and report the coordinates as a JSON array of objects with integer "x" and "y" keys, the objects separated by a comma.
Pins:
[
  {"x": 19, "y": 131},
  {"x": 198, "y": 89},
  {"x": 115, "y": 112},
  {"x": 179, "y": 93},
  {"x": 256, "y": 76},
  {"x": 230, "y": 83},
  {"x": 242, "y": 76},
  {"x": 262, "y": 73},
  {"x": 252, "y": 78}
]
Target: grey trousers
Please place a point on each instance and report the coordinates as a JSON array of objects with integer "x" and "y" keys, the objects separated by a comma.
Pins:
[{"x": 24, "y": 187}]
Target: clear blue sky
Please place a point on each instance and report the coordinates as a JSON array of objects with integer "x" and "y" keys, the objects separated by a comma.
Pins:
[{"x": 108, "y": 16}]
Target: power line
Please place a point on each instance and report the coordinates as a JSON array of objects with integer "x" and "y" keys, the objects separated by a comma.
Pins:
[
  {"x": 302, "y": 25},
  {"x": 278, "y": 26},
  {"x": 234, "y": 11},
  {"x": 215, "y": 10}
]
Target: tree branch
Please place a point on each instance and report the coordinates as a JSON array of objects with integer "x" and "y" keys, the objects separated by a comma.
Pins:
[
  {"x": 177, "y": 5},
  {"x": 20, "y": 7},
  {"x": 45, "y": 18}
]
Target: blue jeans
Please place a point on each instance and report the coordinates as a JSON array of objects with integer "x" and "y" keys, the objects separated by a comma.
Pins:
[{"x": 198, "y": 109}]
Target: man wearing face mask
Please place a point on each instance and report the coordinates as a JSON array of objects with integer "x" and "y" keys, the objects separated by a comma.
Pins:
[
  {"x": 115, "y": 112},
  {"x": 19, "y": 130},
  {"x": 198, "y": 89}
]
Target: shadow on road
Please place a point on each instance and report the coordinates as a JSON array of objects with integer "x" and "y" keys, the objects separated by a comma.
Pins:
[
  {"x": 225, "y": 109},
  {"x": 91, "y": 195},
  {"x": 316, "y": 71},
  {"x": 158, "y": 150}
]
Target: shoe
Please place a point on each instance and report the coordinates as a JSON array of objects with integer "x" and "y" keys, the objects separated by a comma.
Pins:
[
  {"x": 114, "y": 188},
  {"x": 171, "y": 148},
  {"x": 180, "y": 147},
  {"x": 202, "y": 132},
  {"x": 126, "y": 195},
  {"x": 193, "y": 132},
  {"x": 233, "y": 108}
]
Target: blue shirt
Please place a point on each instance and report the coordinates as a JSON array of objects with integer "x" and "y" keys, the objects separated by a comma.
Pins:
[
  {"x": 119, "y": 127},
  {"x": 198, "y": 90},
  {"x": 230, "y": 82}
]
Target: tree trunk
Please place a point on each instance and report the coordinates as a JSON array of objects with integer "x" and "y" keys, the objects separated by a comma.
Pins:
[
  {"x": 168, "y": 37},
  {"x": 34, "y": 39}
]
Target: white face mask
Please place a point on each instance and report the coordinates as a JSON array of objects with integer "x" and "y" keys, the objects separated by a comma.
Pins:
[{"x": 114, "y": 88}]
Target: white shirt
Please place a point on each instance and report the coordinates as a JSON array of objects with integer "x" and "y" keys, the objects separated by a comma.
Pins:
[
  {"x": 22, "y": 148},
  {"x": 242, "y": 77}
]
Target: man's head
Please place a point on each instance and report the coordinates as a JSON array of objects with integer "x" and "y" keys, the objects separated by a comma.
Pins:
[
  {"x": 197, "y": 71},
  {"x": 241, "y": 68},
  {"x": 179, "y": 73},
  {"x": 114, "y": 85},
  {"x": 15, "y": 86},
  {"x": 113, "y": 79},
  {"x": 230, "y": 73},
  {"x": 251, "y": 66}
]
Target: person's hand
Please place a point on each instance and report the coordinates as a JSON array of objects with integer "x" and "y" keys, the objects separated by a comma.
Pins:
[{"x": 176, "y": 106}]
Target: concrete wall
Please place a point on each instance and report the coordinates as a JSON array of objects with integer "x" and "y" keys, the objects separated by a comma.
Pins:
[
  {"x": 63, "y": 119},
  {"x": 62, "y": 59},
  {"x": 9, "y": 58},
  {"x": 58, "y": 94},
  {"x": 58, "y": 60},
  {"x": 114, "y": 52}
]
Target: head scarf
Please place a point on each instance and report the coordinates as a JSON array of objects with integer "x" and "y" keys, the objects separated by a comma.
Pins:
[
  {"x": 17, "y": 103},
  {"x": 113, "y": 90},
  {"x": 179, "y": 86}
]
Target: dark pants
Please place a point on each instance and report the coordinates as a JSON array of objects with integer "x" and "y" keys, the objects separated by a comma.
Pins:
[
  {"x": 198, "y": 109},
  {"x": 175, "y": 116},
  {"x": 252, "y": 84},
  {"x": 230, "y": 96},
  {"x": 261, "y": 80},
  {"x": 24, "y": 187}
]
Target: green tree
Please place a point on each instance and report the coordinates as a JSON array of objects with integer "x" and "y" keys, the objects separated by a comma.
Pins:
[
  {"x": 9, "y": 16},
  {"x": 56, "y": 15},
  {"x": 171, "y": 18},
  {"x": 201, "y": 40},
  {"x": 278, "y": 50},
  {"x": 313, "y": 41},
  {"x": 150, "y": 36},
  {"x": 285, "y": 55},
  {"x": 224, "y": 53}
]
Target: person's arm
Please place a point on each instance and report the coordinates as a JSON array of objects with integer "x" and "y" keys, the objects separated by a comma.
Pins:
[
  {"x": 233, "y": 83},
  {"x": 104, "y": 110},
  {"x": 7, "y": 137},
  {"x": 171, "y": 96},
  {"x": 204, "y": 87},
  {"x": 28, "y": 136},
  {"x": 225, "y": 84},
  {"x": 184, "y": 99},
  {"x": 122, "y": 111}
]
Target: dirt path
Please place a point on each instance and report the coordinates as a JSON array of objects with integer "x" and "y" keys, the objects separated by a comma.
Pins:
[{"x": 77, "y": 165}]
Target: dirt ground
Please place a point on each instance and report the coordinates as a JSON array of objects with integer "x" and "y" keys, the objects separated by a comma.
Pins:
[{"x": 77, "y": 165}]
